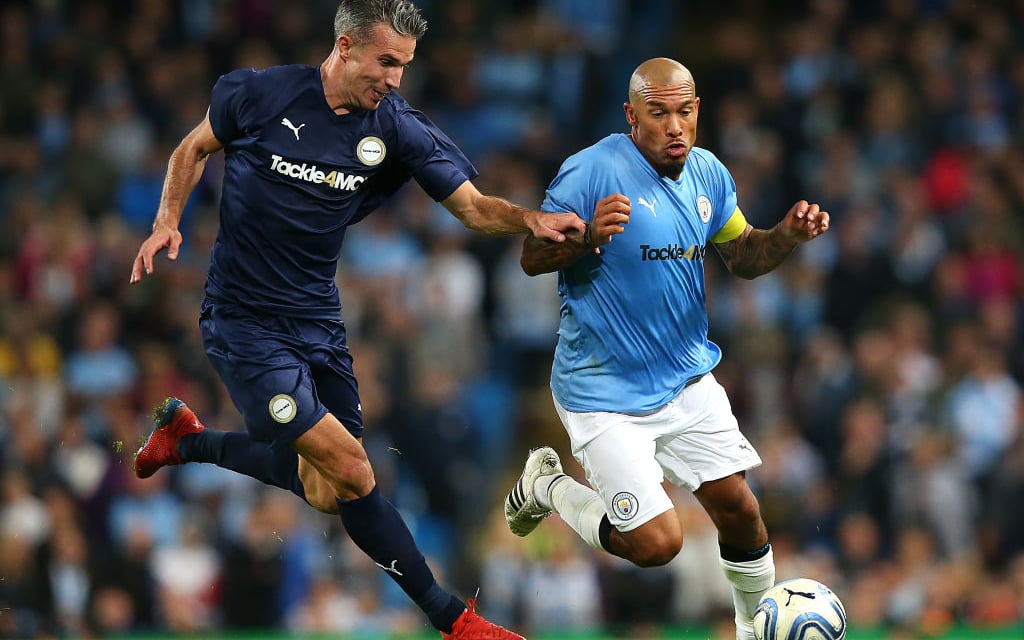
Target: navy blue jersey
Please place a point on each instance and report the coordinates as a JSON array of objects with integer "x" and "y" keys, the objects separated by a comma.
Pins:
[{"x": 297, "y": 175}]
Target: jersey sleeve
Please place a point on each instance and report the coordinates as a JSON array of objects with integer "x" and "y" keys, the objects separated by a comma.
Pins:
[
  {"x": 727, "y": 221},
  {"x": 732, "y": 228},
  {"x": 430, "y": 156},
  {"x": 231, "y": 105},
  {"x": 573, "y": 188}
]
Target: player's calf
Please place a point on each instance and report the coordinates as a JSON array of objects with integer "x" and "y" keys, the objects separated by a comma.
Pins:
[{"x": 318, "y": 492}]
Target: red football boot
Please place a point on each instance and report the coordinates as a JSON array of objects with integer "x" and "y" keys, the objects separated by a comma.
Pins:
[
  {"x": 471, "y": 626},
  {"x": 171, "y": 420}
]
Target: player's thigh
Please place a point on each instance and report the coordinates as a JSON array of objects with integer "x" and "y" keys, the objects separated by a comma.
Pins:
[
  {"x": 705, "y": 442},
  {"x": 265, "y": 371},
  {"x": 332, "y": 368},
  {"x": 617, "y": 453}
]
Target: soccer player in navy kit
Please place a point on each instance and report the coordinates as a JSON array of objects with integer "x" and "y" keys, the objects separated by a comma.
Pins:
[
  {"x": 631, "y": 378},
  {"x": 310, "y": 151}
]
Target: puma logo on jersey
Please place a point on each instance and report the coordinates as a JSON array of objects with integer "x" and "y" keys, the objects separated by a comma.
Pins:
[
  {"x": 650, "y": 205},
  {"x": 288, "y": 123}
]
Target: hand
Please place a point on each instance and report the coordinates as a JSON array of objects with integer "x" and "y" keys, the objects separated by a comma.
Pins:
[
  {"x": 805, "y": 221},
  {"x": 162, "y": 236},
  {"x": 610, "y": 217},
  {"x": 554, "y": 226}
]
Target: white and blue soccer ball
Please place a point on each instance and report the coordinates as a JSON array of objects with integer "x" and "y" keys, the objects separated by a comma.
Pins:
[{"x": 800, "y": 609}]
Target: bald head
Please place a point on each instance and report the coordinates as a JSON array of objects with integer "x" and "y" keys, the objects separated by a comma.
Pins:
[
  {"x": 662, "y": 114},
  {"x": 658, "y": 73}
]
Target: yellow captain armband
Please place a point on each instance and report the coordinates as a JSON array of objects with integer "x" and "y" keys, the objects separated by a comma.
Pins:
[{"x": 732, "y": 228}]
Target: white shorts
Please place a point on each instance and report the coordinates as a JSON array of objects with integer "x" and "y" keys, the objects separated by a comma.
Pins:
[{"x": 691, "y": 440}]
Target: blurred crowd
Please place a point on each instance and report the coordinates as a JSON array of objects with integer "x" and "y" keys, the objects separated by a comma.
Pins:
[{"x": 879, "y": 372}]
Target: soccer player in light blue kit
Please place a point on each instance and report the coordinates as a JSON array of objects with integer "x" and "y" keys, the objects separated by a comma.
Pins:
[
  {"x": 310, "y": 151},
  {"x": 632, "y": 375}
]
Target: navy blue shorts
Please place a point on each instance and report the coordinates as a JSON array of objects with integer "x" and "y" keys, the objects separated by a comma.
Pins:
[{"x": 283, "y": 374}]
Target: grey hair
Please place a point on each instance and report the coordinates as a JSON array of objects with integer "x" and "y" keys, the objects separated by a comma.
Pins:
[{"x": 357, "y": 18}]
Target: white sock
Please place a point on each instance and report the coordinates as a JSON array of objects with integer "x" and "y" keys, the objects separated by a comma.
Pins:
[
  {"x": 749, "y": 581},
  {"x": 542, "y": 489},
  {"x": 578, "y": 505}
]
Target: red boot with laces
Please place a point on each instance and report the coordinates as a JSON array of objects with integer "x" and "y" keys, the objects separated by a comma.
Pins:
[
  {"x": 472, "y": 626},
  {"x": 171, "y": 420}
]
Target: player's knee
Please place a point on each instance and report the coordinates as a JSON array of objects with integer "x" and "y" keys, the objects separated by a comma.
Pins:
[
  {"x": 354, "y": 470},
  {"x": 351, "y": 477},
  {"x": 655, "y": 548},
  {"x": 747, "y": 511},
  {"x": 739, "y": 510},
  {"x": 659, "y": 555},
  {"x": 332, "y": 475}
]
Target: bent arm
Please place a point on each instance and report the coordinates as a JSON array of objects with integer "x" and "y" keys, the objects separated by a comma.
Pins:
[
  {"x": 757, "y": 251},
  {"x": 184, "y": 169},
  {"x": 611, "y": 215},
  {"x": 491, "y": 215},
  {"x": 543, "y": 256}
]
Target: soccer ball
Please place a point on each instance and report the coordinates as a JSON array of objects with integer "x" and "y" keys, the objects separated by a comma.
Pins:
[{"x": 800, "y": 609}]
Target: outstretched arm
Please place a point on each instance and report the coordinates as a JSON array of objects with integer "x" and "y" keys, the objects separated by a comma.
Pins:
[
  {"x": 491, "y": 215},
  {"x": 757, "y": 251},
  {"x": 184, "y": 169},
  {"x": 610, "y": 216}
]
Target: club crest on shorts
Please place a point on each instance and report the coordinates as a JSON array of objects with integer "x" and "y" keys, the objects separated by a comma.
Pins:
[
  {"x": 371, "y": 151},
  {"x": 283, "y": 408},
  {"x": 624, "y": 505}
]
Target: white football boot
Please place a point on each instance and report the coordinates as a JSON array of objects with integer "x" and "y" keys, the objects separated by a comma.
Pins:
[{"x": 522, "y": 511}]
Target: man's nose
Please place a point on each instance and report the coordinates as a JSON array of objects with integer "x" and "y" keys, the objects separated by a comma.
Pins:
[
  {"x": 674, "y": 126},
  {"x": 394, "y": 79}
]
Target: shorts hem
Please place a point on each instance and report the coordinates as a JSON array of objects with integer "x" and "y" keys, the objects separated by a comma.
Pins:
[{"x": 742, "y": 466}]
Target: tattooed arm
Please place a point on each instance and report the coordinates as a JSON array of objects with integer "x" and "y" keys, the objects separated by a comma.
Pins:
[
  {"x": 544, "y": 256},
  {"x": 757, "y": 251}
]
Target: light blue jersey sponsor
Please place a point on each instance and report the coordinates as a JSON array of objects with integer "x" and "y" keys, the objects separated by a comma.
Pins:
[{"x": 634, "y": 325}]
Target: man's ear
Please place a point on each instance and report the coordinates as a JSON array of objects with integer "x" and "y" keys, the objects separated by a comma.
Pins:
[
  {"x": 344, "y": 45},
  {"x": 630, "y": 114}
]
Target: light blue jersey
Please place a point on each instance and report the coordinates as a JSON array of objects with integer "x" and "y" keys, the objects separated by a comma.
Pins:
[{"x": 634, "y": 325}]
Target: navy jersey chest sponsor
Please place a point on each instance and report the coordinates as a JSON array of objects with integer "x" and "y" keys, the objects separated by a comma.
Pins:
[
  {"x": 314, "y": 174},
  {"x": 343, "y": 158}
]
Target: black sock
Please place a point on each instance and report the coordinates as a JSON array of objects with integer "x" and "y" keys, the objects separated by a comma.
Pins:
[
  {"x": 604, "y": 533},
  {"x": 376, "y": 527},
  {"x": 735, "y": 554},
  {"x": 239, "y": 452}
]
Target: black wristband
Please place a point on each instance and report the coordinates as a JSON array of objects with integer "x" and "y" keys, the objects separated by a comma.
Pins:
[{"x": 586, "y": 235}]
